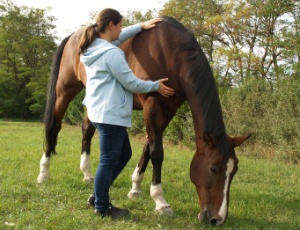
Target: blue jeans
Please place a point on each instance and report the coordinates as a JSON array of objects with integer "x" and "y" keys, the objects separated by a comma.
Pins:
[{"x": 115, "y": 152}]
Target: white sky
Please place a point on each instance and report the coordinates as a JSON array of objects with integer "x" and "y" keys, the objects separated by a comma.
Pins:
[{"x": 72, "y": 14}]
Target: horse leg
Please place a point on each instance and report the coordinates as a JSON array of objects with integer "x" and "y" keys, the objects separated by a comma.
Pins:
[
  {"x": 138, "y": 173},
  {"x": 64, "y": 95},
  {"x": 156, "y": 121},
  {"x": 44, "y": 168},
  {"x": 88, "y": 131},
  {"x": 45, "y": 161},
  {"x": 156, "y": 191}
]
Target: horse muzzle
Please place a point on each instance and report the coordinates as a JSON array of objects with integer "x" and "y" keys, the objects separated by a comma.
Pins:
[{"x": 205, "y": 217}]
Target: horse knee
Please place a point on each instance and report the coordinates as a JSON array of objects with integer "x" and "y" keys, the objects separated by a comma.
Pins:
[{"x": 156, "y": 156}]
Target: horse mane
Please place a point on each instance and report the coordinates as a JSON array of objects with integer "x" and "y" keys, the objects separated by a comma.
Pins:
[{"x": 203, "y": 82}]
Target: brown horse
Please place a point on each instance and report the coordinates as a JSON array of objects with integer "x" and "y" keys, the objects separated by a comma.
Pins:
[{"x": 169, "y": 50}]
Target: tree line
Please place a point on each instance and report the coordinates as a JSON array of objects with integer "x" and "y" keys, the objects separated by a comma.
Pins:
[{"x": 253, "y": 47}]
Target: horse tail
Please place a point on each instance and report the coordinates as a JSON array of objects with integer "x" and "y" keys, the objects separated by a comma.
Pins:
[{"x": 51, "y": 131}]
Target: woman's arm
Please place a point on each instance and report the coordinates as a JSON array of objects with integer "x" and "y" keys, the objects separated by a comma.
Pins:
[
  {"x": 119, "y": 69},
  {"x": 127, "y": 33},
  {"x": 131, "y": 31}
]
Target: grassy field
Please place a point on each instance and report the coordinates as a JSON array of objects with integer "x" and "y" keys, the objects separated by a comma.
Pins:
[{"x": 264, "y": 194}]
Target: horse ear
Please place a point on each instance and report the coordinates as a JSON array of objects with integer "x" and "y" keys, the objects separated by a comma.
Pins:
[
  {"x": 237, "y": 141},
  {"x": 209, "y": 139}
]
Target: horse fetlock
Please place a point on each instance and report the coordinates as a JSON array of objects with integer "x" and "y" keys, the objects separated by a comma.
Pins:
[
  {"x": 44, "y": 169},
  {"x": 88, "y": 178},
  {"x": 134, "y": 194},
  {"x": 164, "y": 210},
  {"x": 42, "y": 177},
  {"x": 85, "y": 167}
]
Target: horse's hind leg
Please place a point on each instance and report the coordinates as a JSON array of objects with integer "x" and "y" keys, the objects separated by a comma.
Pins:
[
  {"x": 138, "y": 173},
  {"x": 64, "y": 95},
  {"x": 88, "y": 131},
  {"x": 44, "y": 168}
]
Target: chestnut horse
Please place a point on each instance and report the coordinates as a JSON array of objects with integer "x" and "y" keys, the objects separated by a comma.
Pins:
[{"x": 168, "y": 50}]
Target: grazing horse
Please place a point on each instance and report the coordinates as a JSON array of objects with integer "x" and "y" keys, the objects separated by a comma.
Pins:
[{"x": 168, "y": 50}]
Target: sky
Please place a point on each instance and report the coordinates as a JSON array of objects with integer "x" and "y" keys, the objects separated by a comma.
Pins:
[{"x": 71, "y": 15}]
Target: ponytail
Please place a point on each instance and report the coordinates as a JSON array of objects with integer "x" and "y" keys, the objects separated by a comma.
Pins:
[
  {"x": 92, "y": 32},
  {"x": 88, "y": 36}
]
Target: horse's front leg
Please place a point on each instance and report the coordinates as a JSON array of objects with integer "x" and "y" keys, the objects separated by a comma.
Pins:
[
  {"x": 156, "y": 191},
  {"x": 156, "y": 121},
  {"x": 88, "y": 131}
]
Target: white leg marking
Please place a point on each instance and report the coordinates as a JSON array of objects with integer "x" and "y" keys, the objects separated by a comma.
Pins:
[
  {"x": 85, "y": 166},
  {"x": 136, "y": 184},
  {"x": 157, "y": 194},
  {"x": 44, "y": 169},
  {"x": 223, "y": 209}
]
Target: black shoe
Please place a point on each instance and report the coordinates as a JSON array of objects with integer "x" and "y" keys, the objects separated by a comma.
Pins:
[
  {"x": 112, "y": 212},
  {"x": 91, "y": 200}
]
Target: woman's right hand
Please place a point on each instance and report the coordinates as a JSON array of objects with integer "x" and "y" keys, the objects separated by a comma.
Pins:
[{"x": 165, "y": 90}]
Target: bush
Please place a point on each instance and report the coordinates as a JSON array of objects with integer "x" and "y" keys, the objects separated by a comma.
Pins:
[
  {"x": 76, "y": 110},
  {"x": 268, "y": 110}
]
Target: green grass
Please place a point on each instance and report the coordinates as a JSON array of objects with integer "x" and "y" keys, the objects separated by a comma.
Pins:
[{"x": 265, "y": 194}]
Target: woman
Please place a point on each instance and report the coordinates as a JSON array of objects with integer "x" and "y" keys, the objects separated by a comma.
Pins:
[{"x": 109, "y": 87}]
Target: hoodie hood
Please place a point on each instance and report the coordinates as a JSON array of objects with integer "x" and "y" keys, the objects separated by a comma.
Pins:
[{"x": 95, "y": 50}]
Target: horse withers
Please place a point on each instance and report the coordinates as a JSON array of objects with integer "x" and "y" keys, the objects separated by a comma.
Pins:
[{"x": 168, "y": 50}]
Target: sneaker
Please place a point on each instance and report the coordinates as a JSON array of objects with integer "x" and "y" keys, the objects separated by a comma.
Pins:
[
  {"x": 112, "y": 212},
  {"x": 91, "y": 200}
]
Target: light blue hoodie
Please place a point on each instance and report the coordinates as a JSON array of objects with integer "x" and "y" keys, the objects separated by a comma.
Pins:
[{"x": 110, "y": 81}]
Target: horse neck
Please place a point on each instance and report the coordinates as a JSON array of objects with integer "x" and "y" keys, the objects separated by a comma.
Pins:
[
  {"x": 198, "y": 121},
  {"x": 206, "y": 109}
]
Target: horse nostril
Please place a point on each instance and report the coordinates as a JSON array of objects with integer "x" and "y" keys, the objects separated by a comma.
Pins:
[{"x": 213, "y": 222}]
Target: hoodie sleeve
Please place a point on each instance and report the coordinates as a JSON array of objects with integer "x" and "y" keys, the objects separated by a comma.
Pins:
[
  {"x": 127, "y": 33},
  {"x": 120, "y": 70}
]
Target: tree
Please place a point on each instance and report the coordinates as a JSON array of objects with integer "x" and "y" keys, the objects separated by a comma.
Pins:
[{"x": 26, "y": 49}]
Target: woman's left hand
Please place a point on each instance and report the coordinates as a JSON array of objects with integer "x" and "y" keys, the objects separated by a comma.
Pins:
[{"x": 150, "y": 24}]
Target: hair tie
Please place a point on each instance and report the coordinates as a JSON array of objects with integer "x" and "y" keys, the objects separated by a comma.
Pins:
[{"x": 94, "y": 25}]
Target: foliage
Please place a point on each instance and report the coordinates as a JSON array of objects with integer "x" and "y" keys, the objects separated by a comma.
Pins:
[
  {"x": 26, "y": 48},
  {"x": 270, "y": 112},
  {"x": 264, "y": 194},
  {"x": 138, "y": 126},
  {"x": 76, "y": 110}
]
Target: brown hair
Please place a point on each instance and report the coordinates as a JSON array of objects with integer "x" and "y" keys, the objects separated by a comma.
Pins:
[{"x": 103, "y": 18}]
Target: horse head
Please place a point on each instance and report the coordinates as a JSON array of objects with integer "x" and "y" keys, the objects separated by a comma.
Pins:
[{"x": 212, "y": 170}]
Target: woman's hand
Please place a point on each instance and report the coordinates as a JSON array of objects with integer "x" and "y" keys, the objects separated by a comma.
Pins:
[
  {"x": 150, "y": 24},
  {"x": 165, "y": 90}
]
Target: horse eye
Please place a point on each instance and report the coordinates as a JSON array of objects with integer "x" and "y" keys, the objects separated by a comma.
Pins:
[{"x": 213, "y": 169}]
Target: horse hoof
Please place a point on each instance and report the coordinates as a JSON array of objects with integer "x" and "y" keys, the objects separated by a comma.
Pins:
[
  {"x": 133, "y": 195},
  {"x": 88, "y": 180},
  {"x": 166, "y": 211}
]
